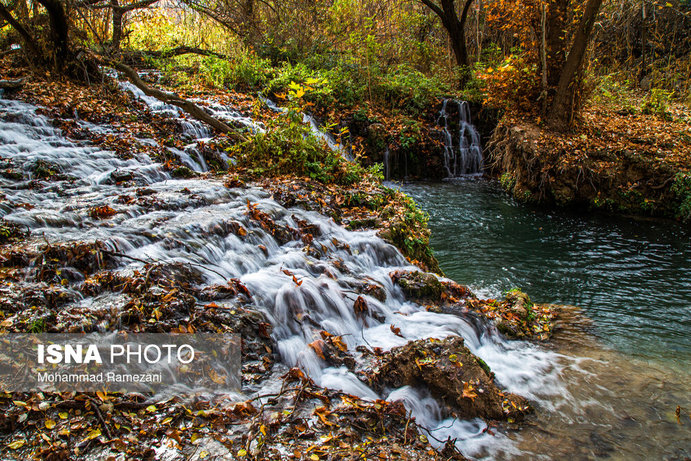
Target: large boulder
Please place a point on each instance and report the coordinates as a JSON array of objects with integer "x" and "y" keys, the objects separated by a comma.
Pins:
[{"x": 452, "y": 374}]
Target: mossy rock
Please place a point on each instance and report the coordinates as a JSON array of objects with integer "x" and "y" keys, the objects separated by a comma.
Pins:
[
  {"x": 451, "y": 373},
  {"x": 418, "y": 286},
  {"x": 183, "y": 172}
]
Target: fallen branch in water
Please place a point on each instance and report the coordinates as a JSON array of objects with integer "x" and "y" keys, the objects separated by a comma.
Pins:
[
  {"x": 192, "y": 109},
  {"x": 11, "y": 84}
]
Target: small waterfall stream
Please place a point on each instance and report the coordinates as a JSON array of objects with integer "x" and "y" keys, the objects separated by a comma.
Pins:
[
  {"x": 462, "y": 148},
  {"x": 190, "y": 229}
]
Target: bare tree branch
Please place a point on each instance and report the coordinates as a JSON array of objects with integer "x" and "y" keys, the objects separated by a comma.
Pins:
[{"x": 168, "y": 98}]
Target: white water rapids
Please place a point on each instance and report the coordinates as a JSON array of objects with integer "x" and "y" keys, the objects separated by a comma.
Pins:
[{"x": 188, "y": 228}]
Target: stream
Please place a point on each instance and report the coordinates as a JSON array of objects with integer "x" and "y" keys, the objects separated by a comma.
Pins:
[
  {"x": 591, "y": 401},
  {"x": 628, "y": 369}
]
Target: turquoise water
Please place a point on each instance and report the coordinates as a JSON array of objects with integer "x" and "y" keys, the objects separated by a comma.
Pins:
[{"x": 631, "y": 277}]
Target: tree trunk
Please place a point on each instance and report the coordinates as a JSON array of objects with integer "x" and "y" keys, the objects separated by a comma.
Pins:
[
  {"x": 29, "y": 41},
  {"x": 562, "y": 105},
  {"x": 457, "y": 38},
  {"x": 59, "y": 31},
  {"x": 557, "y": 14},
  {"x": 117, "y": 25},
  {"x": 455, "y": 27},
  {"x": 168, "y": 98}
]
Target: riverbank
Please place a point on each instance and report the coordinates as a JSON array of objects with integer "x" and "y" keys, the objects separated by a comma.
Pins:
[{"x": 616, "y": 160}]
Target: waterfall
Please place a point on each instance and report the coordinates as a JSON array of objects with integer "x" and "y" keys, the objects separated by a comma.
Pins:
[
  {"x": 387, "y": 166},
  {"x": 186, "y": 220},
  {"x": 190, "y": 156},
  {"x": 462, "y": 148}
]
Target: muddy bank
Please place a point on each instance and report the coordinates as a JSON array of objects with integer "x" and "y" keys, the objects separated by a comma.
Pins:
[{"x": 615, "y": 163}]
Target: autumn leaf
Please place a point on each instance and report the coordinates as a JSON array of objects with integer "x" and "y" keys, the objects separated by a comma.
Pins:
[
  {"x": 360, "y": 307},
  {"x": 395, "y": 330},
  {"x": 92, "y": 435},
  {"x": 102, "y": 212},
  {"x": 318, "y": 347},
  {"x": 16, "y": 444},
  {"x": 468, "y": 391},
  {"x": 322, "y": 413}
]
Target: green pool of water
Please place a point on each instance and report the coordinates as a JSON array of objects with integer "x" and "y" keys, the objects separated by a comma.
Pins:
[{"x": 631, "y": 277}]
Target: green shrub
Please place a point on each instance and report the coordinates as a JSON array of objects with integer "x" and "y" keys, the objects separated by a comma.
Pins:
[
  {"x": 409, "y": 89},
  {"x": 289, "y": 147},
  {"x": 318, "y": 86},
  {"x": 682, "y": 189},
  {"x": 657, "y": 103}
]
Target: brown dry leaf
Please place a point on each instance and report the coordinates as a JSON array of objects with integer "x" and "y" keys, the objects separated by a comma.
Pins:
[
  {"x": 322, "y": 413},
  {"x": 360, "y": 307},
  {"x": 318, "y": 347},
  {"x": 469, "y": 391}
]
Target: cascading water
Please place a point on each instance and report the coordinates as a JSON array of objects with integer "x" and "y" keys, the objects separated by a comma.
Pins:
[
  {"x": 190, "y": 229},
  {"x": 190, "y": 156},
  {"x": 462, "y": 148}
]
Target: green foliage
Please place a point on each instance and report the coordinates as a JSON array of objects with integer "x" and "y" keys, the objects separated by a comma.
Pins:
[
  {"x": 249, "y": 72},
  {"x": 508, "y": 181},
  {"x": 408, "y": 230},
  {"x": 319, "y": 85},
  {"x": 37, "y": 326},
  {"x": 682, "y": 190},
  {"x": 289, "y": 147},
  {"x": 411, "y": 133},
  {"x": 657, "y": 103},
  {"x": 216, "y": 71},
  {"x": 409, "y": 89},
  {"x": 614, "y": 91}
]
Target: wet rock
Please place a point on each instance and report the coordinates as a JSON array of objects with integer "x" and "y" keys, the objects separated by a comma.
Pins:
[
  {"x": 230, "y": 290},
  {"x": 283, "y": 234},
  {"x": 85, "y": 257},
  {"x": 183, "y": 172},
  {"x": 298, "y": 419},
  {"x": 12, "y": 232},
  {"x": 365, "y": 287},
  {"x": 517, "y": 317},
  {"x": 519, "y": 303},
  {"x": 12, "y": 173},
  {"x": 418, "y": 286},
  {"x": 121, "y": 176},
  {"x": 451, "y": 373},
  {"x": 333, "y": 350},
  {"x": 42, "y": 169}
]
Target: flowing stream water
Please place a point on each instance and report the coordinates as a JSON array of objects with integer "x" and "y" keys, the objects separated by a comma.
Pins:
[
  {"x": 192, "y": 226},
  {"x": 624, "y": 373}
]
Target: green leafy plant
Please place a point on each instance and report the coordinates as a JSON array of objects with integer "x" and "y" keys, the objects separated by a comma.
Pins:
[
  {"x": 289, "y": 147},
  {"x": 682, "y": 189},
  {"x": 657, "y": 103}
]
